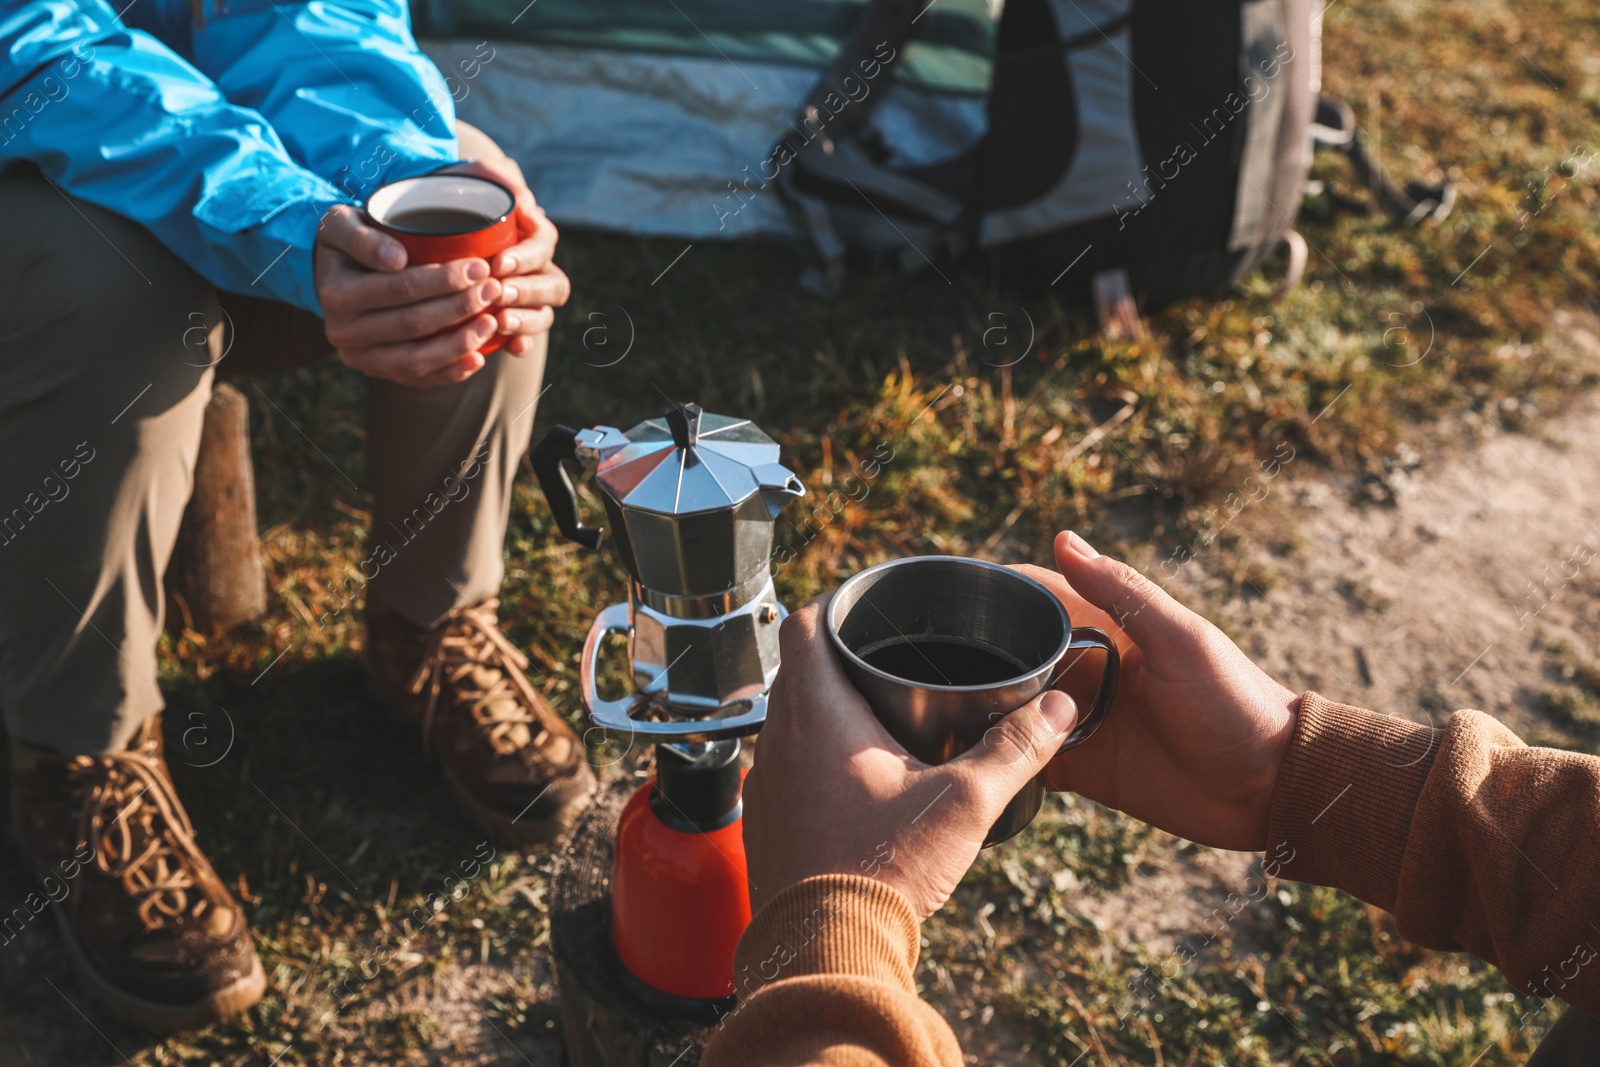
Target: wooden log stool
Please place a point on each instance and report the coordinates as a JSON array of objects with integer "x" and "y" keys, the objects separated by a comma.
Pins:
[{"x": 216, "y": 579}]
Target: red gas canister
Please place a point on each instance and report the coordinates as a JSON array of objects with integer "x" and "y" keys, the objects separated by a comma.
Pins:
[{"x": 679, "y": 893}]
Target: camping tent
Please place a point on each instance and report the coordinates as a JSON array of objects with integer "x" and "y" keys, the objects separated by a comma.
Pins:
[{"x": 656, "y": 116}]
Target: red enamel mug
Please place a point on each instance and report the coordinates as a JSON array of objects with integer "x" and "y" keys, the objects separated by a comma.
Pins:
[{"x": 440, "y": 217}]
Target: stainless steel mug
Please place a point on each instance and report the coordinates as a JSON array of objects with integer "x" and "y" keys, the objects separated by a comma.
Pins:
[{"x": 944, "y": 647}]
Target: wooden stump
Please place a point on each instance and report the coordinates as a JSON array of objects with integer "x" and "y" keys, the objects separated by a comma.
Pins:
[
  {"x": 605, "y": 1024},
  {"x": 216, "y": 575}
]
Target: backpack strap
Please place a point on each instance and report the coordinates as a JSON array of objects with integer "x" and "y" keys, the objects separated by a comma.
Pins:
[
  {"x": 884, "y": 24},
  {"x": 1115, "y": 307},
  {"x": 1335, "y": 127},
  {"x": 822, "y": 148},
  {"x": 848, "y": 164},
  {"x": 1299, "y": 254}
]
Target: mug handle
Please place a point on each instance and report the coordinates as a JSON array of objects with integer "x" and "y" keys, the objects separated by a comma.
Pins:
[{"x": 1090, "y": 637}]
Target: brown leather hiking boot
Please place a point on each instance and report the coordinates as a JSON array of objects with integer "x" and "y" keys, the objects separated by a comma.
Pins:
[
  {"x": 513, "y": 765},
  {"x": 150, "y": 929}
]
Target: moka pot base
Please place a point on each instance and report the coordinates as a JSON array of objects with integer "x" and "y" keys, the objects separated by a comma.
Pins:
[{"x": 704, "y": 666}]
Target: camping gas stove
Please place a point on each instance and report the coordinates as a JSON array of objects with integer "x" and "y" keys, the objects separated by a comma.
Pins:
[{"x": 692, "y": 499}]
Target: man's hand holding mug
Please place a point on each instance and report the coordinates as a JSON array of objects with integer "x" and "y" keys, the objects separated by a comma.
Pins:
[{"x": 1192, "y": 744}]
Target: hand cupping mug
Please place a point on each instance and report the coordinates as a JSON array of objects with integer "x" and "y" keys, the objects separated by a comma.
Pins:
[
  {"x": 440, "y": 217},
  {"x": 943, "y": 648}
]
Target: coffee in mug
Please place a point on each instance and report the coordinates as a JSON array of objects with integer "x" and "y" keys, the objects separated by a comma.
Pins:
[
  {"x": 440, "y": 217},
  {"x": 943, "y": 648}
]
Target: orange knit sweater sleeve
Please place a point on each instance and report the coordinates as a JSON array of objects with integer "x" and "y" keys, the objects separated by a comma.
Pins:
[
  {"x": 824, "y": 976},
  {"x": 1474, "y": 841}
]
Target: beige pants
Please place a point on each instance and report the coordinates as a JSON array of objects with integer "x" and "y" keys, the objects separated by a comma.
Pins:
[{"x": 105, "y": 341}]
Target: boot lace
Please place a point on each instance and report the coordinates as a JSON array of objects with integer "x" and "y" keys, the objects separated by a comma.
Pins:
[
  {"x": 141, "y": 835},
  {"x": 483, "y": 669}
]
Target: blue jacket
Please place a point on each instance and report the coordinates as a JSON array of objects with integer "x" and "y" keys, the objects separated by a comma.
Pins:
[{"x": 227, "y": 136}]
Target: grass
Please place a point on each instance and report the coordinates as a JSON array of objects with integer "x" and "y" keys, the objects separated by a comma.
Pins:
[
  {"x": 336, "y": 835},
  {"x": 1277, "y": 972},
  {"x": 1571, "y": 700}
]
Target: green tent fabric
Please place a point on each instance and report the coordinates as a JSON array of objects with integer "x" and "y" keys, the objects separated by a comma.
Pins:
[{"x": 951, "y": 52}]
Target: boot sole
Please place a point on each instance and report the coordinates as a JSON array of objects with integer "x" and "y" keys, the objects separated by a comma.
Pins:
[
  {"x": 520, "y": 833},
  {"x": 233, "y": 999},
  {"x": 509, "y": 831}
]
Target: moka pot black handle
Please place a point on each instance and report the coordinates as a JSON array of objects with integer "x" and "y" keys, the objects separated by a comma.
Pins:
[{"x": 549, "y": 456}]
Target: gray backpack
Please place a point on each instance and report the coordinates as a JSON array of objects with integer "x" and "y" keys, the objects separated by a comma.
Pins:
[{"x": 1137, "y": 151}]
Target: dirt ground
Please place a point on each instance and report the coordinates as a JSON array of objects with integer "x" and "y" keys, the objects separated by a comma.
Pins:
[
  {"x": 1444, "y": 598},
  {"x": 1442, "y": 586},
  {"x": 1445, "y": 595}
]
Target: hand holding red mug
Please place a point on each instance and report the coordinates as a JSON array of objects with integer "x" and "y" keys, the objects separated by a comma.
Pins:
[
  {"x": 390, "y": 315},
  {"x": 532, "y": 285}
]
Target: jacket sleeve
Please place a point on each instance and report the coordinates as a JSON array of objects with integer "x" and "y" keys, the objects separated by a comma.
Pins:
[
  {"x": 824, "y": 976},
  {"x": 341, "y": 81},
  {"x": 116, "y": 118},
  {"x": 1473, "y": 840}
]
